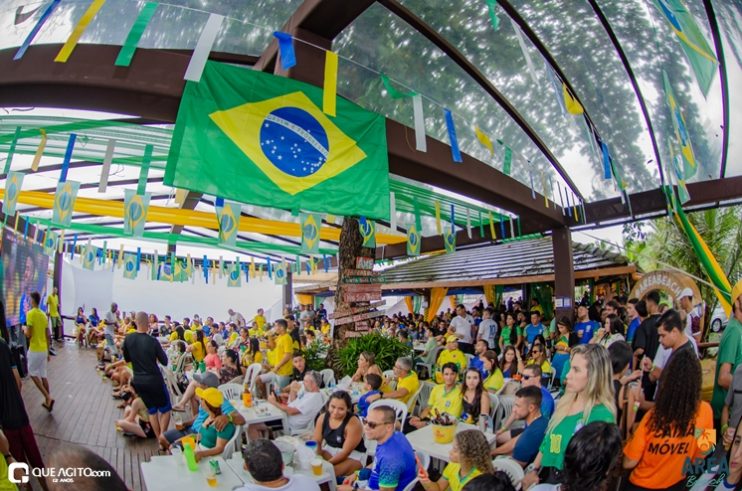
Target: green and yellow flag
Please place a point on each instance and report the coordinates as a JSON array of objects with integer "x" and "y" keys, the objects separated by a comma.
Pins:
[
  {"x": 240, "y": 129},
  {"x": 449, "y": 241},
  {"x": 135, "y": 212},
  {"x": 13, "y": 185},
  {"x": 413, "y": 241},
  {"x": 310, "y": 223},
  {"x": 279, "y": 273},
  {"x": 234, "y": 280},
  {"x": 88, "y": 257},
  {"x": 229, "y": 219},
  {"x": 368, "y": 232},
  {"x": 130, "y": 266},
  {"x": 50, "y": 242},
  {"x": 64, "y": 202}
]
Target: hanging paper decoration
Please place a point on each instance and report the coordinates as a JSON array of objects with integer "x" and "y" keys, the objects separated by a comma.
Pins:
[
  {"x": 77, "y": 32},
  {"x": 203, "y": 48},
  {"x": 368, "y": 232},
  {"x": 556, "y": 87},
  {"x": 533, "y": 188},
  {"x": 228, "y": 216},
  {"x": 11, "y": 150},
  {"x": 393, "y": 92},
  {"x": 512, "y": 228},
  {"x": 681, "y": 130},
  {"x": 135, "y": 34},
  {"x": 606, "y": 160},
  {"x": 39, "y": 150},
  {"x": 64, "y": 202},
  {"x": 252, "y": 267},
  {"x": 13, "y": 185},
  {"x": 468, "y": 223},
  {"x": 676, "y": 164},
  {"x": 502, "y": 229},
  {"x": 36, "y": 28},
  {"x": 269, "y": 268},
  {"x": 455, "y": 152},
  {"x": 570, "y": 102},
  {"x": 120, "y": 260},
  {"x": 517, "y": 221},
  {"x": 139, "y": 257},
  {"x": 235, "y": 278},
  {"x": 413, "y": 241},
  {"x": 280, "y": 274},
  {"x": 205, "y": 268},
  {"x": 421, "y": 143},
  {"x": 135, "y": 212},
  {"x": 392, "y": 212},
  {"x": 438, "y": 229},
  {"x": 484, "y": 140},
  {"x": 524, "y": 51},
  {"x": 106, "y": 168},
  {"x": 507, "y": 159},
  {"x": 130, "y": 266},
  {"x": 286, "y": 49},
  {"x": 701, "y": 57},
  {"x": 481, "y": 225},
  {"x": 493, "y": 15},
  {"x": 326, "y": 262},
  {"x": 50, "y": 242},
  {"x": 310, "y": 223},
  {"x": 88, "y": 257},
  {"x": 329, "y": 91},
  {"x": 493, "y": 235}
]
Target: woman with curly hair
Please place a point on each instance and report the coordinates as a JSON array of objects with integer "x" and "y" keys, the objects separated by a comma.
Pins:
[
  {"x": 469, "y": 457},
  {"x": 676, "y": 429}
]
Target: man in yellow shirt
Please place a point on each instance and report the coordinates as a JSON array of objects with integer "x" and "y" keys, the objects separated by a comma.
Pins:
[
  {"x": 56, "y": 320},
  {"x": 37, "y": 331},
  {"x": 444, "y": 398},
  {"x": 452, "y": 354},
  {"x": 259, "y": 319},
  {"x": 281, "y": 370},
  {"x": 407, "y": 382}
]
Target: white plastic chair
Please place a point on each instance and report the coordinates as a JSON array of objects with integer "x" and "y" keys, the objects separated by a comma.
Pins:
[
  {"x": 504, "y": 409},
  {"x": 494, "y": 405},
  {"x": 400, "y": 408},
  {"x": 412, "y": 485},
  {"x": 424, "y": 459},
  {"x": 510, "y": 467},
  {"x": 328, "y": 377},
  {"x": 251, "y": 375},
  {"x": 233, "y": 445},
  {"x": 231, "y": 392},
  {"x": 413, "y": 400}
]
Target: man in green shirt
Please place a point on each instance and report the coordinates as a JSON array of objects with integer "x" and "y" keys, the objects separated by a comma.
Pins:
[
  {"x": 56, "y": 320},
  {"x": 730, "y": 352}
]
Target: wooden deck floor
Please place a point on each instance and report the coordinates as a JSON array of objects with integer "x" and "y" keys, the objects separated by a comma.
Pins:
[{"x": 84, "y": 414}]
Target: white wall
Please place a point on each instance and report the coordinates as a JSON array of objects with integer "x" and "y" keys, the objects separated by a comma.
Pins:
[{"x": 100, "y": 287}]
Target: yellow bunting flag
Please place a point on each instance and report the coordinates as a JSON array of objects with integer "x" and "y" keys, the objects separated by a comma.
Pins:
[
  {"x": 252, "y": 267},
  {"x": 329, "y": 94},
  {"x": 438, "y": 228},
  {"x": 39, "y": 151},
  {"x": 492, "y": 226},
  {"x": 77, "y": 32},
  {"x": 543, "y": 190},
  {"x": 15, "y": 225},
  {"x": 570, "y": 102},
  {"x": 60, "y": 244},
  {"x": 484, "y": 140},
  {"x": 120, "y": 261}
]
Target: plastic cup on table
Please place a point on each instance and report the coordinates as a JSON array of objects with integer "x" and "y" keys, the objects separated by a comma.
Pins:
[
  {"x": 211, "y": 479},
  {"x": 317, "y": 466}
]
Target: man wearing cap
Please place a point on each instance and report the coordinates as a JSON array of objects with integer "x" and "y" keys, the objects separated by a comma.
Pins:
[
  {"x": 692, "y": 319},
  {"x": 204, "y": 381},
  {"x": 452, "y": 354},
  {"x": 730, "y": 352},
  {"x": 584, "y": 327}
]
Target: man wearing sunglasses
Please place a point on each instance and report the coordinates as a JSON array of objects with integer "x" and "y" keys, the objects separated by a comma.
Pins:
[
  {"x": 394, "y": 465},
  {"x": 531, "y": 378}
]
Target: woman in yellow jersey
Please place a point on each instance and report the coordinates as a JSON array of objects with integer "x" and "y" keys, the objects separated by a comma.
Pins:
[
  {"x": 251, "y": 352},
  {"x": 198, "y": 351},
  {"x": 469, "y": 457},
  {"x": 538, "y": 357},
  {"x": 494, "y": 379}
]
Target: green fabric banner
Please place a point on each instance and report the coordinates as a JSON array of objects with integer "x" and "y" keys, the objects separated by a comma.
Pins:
[{"x": 240, "y": 129}]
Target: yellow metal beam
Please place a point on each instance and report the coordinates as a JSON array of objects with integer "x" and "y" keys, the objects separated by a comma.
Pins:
[{"x": 191, "y": 218}]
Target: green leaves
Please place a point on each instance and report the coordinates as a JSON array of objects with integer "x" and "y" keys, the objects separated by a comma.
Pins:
[{"x": 386, "y": 350}]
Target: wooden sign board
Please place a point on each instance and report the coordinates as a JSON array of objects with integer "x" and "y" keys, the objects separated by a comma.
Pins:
[
  {"x": 360, "y": 272},
  {"x": 356, "y": 310},
  {"x": 363, "y": 288},
  {"x": 359, "y": 317},
  {"x": 364, "y": 263},
  {"x": 353, "y": 334},
  {"x": 363, "y": 326},
  {"x": 362, "y": 280},
  {"x": 362, "y": 296}
]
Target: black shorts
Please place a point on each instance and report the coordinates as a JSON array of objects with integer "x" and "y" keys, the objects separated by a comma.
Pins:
[{"x": 155, "y": 396}]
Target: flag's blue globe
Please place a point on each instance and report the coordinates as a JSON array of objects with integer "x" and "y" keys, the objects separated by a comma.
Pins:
[
  {"x": 12, "y": 191},
  {"x": 135, "y": 211},
  {"x": 413, "y": 239},
  {"x": 227, "y": 223},
  {"x": 310, "y": 231},
  {"x": 294, "y": 141},
  {"x": 65, "y": 200},
  {"x": 129, "y": 266},
  {"x": 234, "y": 275},
  {"x": 280, "y": 273}
]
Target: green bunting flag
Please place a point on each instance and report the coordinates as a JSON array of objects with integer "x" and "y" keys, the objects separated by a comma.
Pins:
[
  {"x": 234, "y": 280},
  {"x": 310, "y": 224},
  {"x": 392, "y": 91},
  {"x": 13, "y": 185},
  {"x": 50, "y": 242},
  {"x": 64, "y": 202},
  {"x": 413, "y": 241},
  {"x": 229, "y": 219},
  {"x": 449, "y": 241},
  {"x": 279, "y": 273},
  {"x": 135, "y": 212},
  {"x": 88, "y": 257},
  {"x": 130, "y": 266},
  {"x": 493, "y": 15},
  {"x": 368, "y": 232},
  {"x": 701, "y": 57},
  {"x": 269, "y": 135},
  {"x": 507, "y": 159},
  {"x": 681, "y": 130}
]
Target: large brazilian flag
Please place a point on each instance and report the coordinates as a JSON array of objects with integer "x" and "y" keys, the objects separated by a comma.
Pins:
[{"x": 257, "y": 138}]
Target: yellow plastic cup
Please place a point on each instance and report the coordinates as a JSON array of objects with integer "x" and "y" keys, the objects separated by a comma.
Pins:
[
  {"x": 190, "y": 441},
  {"x": 211, "y": 480},
  {"x": 317, "y": 467}
]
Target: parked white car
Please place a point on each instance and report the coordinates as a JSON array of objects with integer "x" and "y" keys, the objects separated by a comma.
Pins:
[{"x": 719, "y": 319}]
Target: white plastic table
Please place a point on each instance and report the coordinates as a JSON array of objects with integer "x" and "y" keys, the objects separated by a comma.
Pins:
[
  {"x": 328, "y": 474},
  {"x": 355, "y": 391},
  {"x": 260, "y": 412},
  {"x": 169, "y": 472},
  {"x": 422, "y": 441}
]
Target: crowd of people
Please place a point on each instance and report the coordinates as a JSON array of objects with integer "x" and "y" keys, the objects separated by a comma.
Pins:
[{"x": 613, "y": 399}]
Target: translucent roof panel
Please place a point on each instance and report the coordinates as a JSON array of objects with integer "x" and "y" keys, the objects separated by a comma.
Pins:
[
  {"x": 247, "y": 28},
  {"x": 497, "y": 54},
  {"x": 729, "y": 19},
  {"x": 651, "y": 47},
  {"x": 378, "y": 41},
  {"x": 584, "y": 52}
]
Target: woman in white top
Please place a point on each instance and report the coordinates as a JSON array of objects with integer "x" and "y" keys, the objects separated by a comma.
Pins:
[{"x": 612, "y": 331}]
